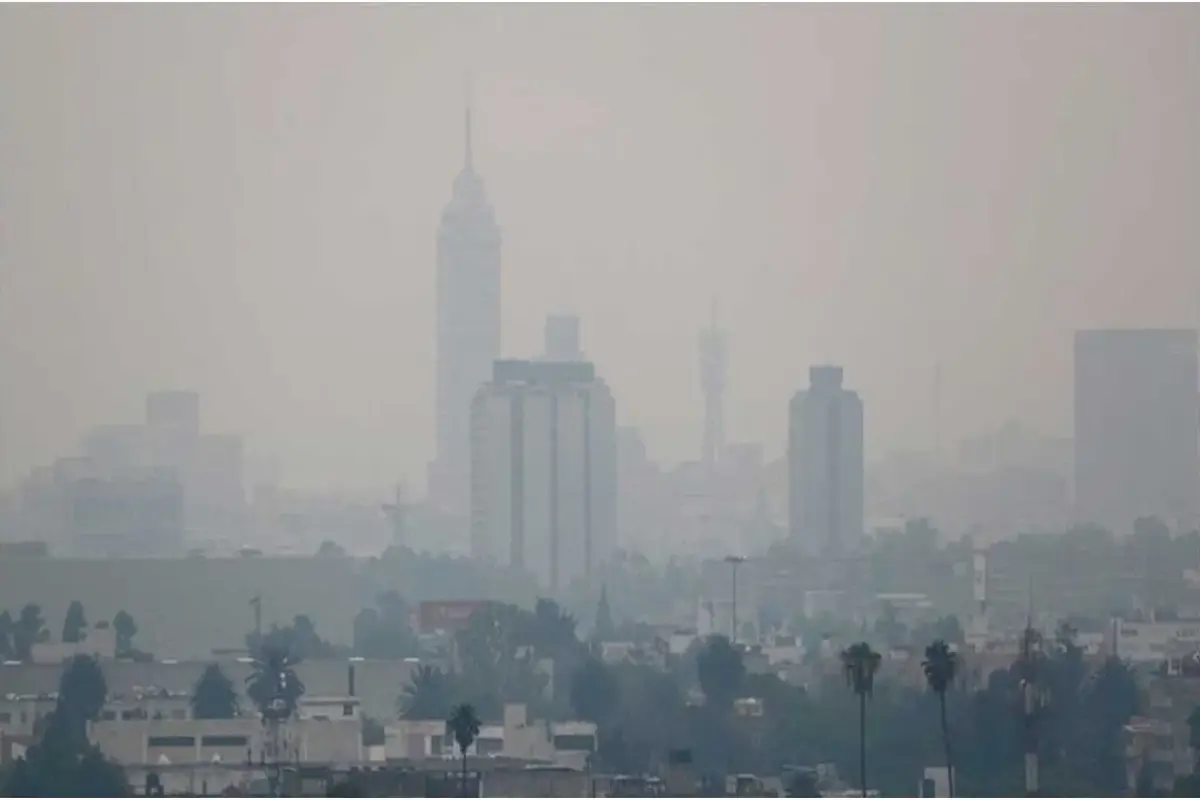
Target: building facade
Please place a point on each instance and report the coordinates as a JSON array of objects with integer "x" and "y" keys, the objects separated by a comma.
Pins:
[
  {"x": 543, "y": 474},
  {"x": 1137, "y": 428},
  {"x": 825, "y": 464},
  {"x": 562, "y": 338},
  {"x": 468, "y": 326},
  {"x": 143, "y": 489}
]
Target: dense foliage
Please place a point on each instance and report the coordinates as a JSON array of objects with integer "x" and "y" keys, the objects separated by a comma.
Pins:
[
  {"x": 62, "y": 763},
  {"x": 214, "y": 696},
  {"x": 644, "y": 715}
]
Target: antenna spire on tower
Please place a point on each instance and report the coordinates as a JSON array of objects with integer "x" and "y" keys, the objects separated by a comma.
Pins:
[
  {"x": 712, "y": 383},
  {"x": 468, "y": 161}
]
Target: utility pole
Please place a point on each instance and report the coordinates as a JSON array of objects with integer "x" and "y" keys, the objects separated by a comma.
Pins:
[
  {"x": 734, "y": 561},
  {"x": 1031, "y": 702},
  {"x": 256, "y": 603},
  {"x": 397, "y": 514}
]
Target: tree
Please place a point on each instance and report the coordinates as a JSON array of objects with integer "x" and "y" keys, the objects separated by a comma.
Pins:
[
  {"x": 62, "y": 763},
  {"x": 385, "y": 632},
  {"x": 429, "y": 694},
  {"x": 465, "y": 726},
  {"x": 860, "y": 664},
  {"x": 126, "y": 629},
  {"x": 75, "y": 623},
  {"x": 594, "y": 691},
  {"x": 498, "y": 664},
  {"x": 273, "y": 686},
  {"x": 27, "y": 630},
  {"x": 305, "y": 641},
  {"x": 6, "y": 630},
  {"x": 941, "y": 667},
  {"x": 1193, "y": 723},
  {"x": 720, "y": 669},
  {"x": 214, "y": 697},
  {"x": 82, "y": 689},
  {"x": 331, "y": 549},
  {"x": 373, "y": 734}
]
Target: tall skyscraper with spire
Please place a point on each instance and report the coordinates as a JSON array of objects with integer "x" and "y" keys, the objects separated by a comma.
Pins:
[
  {"x": 468, "y": 324},
  {"x": 712, "y": 382}
]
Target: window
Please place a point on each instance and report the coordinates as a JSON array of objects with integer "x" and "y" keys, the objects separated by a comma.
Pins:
[
  {"x": 137, "y": 713},
  {"x": 5, "y": 717},
  {"x": 171, "y": 741},
  {"x": 179, "y": 713},
  {"x": 489, "y": 746},
  {"x": 348, "y": 710},
  {"x": 224, "y": 741},
  {"x": 108, "y": 716},
  {"x": 575, "y": 742}
]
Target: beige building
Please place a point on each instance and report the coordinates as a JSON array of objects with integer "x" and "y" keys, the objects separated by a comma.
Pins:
[
  {"x": 229, "y": 741},
  {"x": 543, "y": 470},
  {"x": 564, "y": 744}
]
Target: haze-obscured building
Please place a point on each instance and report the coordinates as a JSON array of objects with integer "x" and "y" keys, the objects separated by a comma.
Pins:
[
  {"x": 1137, "y": 430},
  {"x": 562, "y": 338},
  {"x": 77, "y": 507},
  {"x": 825, "y": 463},
  {"x": 139, "y": 489},
  {"x": 544, "y": 471},
  {"x": 468, "y": 325}
]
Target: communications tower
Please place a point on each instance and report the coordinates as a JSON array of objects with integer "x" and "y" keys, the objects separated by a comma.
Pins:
[{"x": 712, "y": 383}]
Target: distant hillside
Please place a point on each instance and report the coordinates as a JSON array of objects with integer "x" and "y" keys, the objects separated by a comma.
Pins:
[{"x": 184, "y": 608}]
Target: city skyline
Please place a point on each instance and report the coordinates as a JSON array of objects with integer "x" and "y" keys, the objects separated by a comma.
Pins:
[{"x": 284, "y": 270}]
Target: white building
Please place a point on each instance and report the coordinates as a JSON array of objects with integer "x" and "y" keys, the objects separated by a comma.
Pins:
[
  {"x": 543, "y": 470},
  {"x": 1155, "y": 642},
  {"x": 825, "y": 462},
  {"x": 566, "y": 744}
]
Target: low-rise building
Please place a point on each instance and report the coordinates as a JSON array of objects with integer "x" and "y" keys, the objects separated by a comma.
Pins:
[
  {"x": 242, "y": 740},
  {"x": 97, "y": 642},
  {"x": 565, "y": 744},
  {"x": 1154, "y": 642}
]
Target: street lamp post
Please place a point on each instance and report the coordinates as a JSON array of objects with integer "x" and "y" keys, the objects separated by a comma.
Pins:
[{"x": 733, "y": 562}]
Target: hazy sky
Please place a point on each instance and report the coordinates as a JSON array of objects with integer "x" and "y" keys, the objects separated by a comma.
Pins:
[{"x": 243, "y": 200}]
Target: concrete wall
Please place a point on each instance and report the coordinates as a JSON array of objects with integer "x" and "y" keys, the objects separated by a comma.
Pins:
[
  {"x": 377, "y": 683},
  {"x": 98, "y": 642},
  {"x": 535, "y": 783},
  {"x": 185, "y": 608}
]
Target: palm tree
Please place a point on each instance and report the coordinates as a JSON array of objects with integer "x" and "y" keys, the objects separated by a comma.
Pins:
[
  {"x": 860, "y": 663},
  {"x": 941, "y": 667},
  {"x": 272, "y": 684},
  {"x": 465, "y": 726},
  {"x": 428, "y": 695},
  {"x": 1193, "y": 723}
]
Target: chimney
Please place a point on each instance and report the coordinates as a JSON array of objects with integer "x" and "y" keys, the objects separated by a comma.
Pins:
[{"x": 350, "y": 680}]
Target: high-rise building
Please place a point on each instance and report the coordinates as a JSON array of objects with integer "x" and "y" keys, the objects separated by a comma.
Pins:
[
  {"x": 825, "y": 464},
  {"x": 174, "y": 410},
  {"x": 544, "y": 471},
  {"x": 1136, "y": 428},
  {"x": 468, "y": 325},
  {"x": 562, "y": 338},
  {"x": 712, "y": 382}
]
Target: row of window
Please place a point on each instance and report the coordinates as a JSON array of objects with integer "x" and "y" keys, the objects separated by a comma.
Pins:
[
  {"x": 214, "y": 740},
  {"x": 141, "y": 713}
]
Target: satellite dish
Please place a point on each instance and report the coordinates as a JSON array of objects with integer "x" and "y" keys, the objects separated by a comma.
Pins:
[{"x": 162, "y": 759}]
